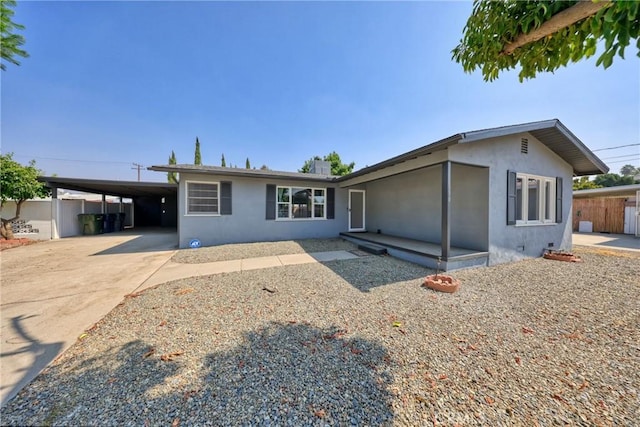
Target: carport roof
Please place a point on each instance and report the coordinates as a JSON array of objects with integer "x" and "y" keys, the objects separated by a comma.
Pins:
[
  {"x": 618, "y": 191},
  {"x": 129, "y": 189}
]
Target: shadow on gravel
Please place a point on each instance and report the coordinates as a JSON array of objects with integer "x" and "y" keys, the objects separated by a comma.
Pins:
[
  {"x": 376, "y": 270},
  {"x": 281, "y": 374},
  {"x": 109, "y": 389},
  {"x": 298, "y": 374}
]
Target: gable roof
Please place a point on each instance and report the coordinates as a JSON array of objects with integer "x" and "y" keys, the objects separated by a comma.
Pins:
[{"x": 552, "y": 133}]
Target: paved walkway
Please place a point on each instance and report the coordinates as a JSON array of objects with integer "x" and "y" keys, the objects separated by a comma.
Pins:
[{"x": 173, "y": 270}]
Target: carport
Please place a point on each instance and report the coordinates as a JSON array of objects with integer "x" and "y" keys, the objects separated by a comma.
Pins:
[{"x": 155, "y": 204}]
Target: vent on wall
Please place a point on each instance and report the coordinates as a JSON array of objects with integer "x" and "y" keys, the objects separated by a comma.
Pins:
[{"x": 524, "y": 146}]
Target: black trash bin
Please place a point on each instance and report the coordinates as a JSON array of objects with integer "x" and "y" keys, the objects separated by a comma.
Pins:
[
  {"x": 109, "y": 222},
  {"x": 121, "y": 217}
]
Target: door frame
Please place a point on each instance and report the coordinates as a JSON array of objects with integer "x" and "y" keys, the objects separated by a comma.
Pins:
[{"x": 364, "y": 227}]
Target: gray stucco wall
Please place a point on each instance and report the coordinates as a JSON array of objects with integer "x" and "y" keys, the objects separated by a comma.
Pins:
[
  {"x": 510, "y": 242},
  {"x": 247, "y": 222},
  {"x": 406, "y": 205},
  {"x": 469, "y": 207}
]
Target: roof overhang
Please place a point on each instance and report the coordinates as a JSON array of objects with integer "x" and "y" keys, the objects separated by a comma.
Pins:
[
  {"x": 128, "y": 189},
  {"x": 556, "y": 137},
  {"x": 619, "y": 191},
  {"x": 551, "y": 133}
]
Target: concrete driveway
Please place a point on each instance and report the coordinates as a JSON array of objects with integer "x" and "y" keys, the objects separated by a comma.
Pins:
[
  {"x": 53, "y": 291},
  {"x": 609, "y": 241}
]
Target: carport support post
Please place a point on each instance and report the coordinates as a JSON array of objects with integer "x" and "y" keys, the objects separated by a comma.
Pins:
[
  {"x": 104, "y": 204},
  {"x": 445, "y": 238},
  {"x": 55, "y": 214}
]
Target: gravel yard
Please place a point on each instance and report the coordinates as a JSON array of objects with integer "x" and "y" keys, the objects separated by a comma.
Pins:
[
  {"x": 262, "y": 249},
  {"x": 358, "y": 342}
]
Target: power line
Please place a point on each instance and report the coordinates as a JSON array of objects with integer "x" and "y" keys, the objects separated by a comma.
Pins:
[
  {"x": 620, "y": 161},
  {"x": 69, "y": 160},
  {"x": 613, "y": 148},
  {"x": 622, "y": 157}
]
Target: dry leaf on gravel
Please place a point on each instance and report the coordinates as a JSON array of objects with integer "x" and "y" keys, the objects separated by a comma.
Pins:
[
  {"x": 149, "y": 353},
  {"x": 168, "y": 357}
]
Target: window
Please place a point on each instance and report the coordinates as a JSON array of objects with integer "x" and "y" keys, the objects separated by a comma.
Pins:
[
  {"x": 300, "y": 203},
  {"x": 535, "y": 199},
  {"x": 202, "y": 198}
]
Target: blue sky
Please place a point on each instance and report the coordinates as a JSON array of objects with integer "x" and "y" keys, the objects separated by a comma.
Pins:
[{"x": 109, "y": 84}]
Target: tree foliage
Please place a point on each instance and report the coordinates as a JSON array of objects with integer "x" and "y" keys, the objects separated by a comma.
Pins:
[
  {"x": 613, "y": 180},
  {"x": 584, "y": 183},
  {"x": 172, "y": 176},
  {"x": 337, "y": 167},
  {"x": 10, "y": 42},
  {"x": 223, "y": 162},
  {"x": 18, "y": 183},
  {"x": 629, "y": 170},
  {"x": 494, "y": 26},
  {"x": 247, "y": 164},
  {"x": 197, "y": 160}
]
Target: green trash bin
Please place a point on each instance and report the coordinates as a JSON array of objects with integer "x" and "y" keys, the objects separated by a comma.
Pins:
[{"x": 89, "y": 224}]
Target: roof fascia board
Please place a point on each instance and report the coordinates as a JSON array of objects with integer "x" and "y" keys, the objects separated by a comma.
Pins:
[
  {"x": 418, "y": 152},
  {"x": 240, "y": 173},
  {"x": 620, "y": 190}
]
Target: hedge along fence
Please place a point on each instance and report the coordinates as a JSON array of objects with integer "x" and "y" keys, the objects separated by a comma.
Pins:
[{"x": 606, "y": 213}]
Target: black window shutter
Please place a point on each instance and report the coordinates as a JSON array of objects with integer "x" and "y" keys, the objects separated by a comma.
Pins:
[
  {"x": 331, "y": 203},
  {"x": 559, "y": 200},
  {"x": 225, "y": 198},
  {"x": 271, "y": 202},
  {"x": 511, "y": 198}
]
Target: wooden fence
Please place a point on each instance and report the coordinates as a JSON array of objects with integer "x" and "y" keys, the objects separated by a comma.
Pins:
[{"x": 606, "y": 213}]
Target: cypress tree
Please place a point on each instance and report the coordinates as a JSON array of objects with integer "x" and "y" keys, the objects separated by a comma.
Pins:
[
  {"x": 248, "y": 165},
  {"x": 198, "y": 158},
  {"x": 171, "y": 176},
  {"x": 223, "y": 163}
]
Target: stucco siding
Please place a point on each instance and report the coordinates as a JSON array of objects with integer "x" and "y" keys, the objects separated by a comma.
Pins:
[
  {"x": 406, "y": 205},
  {"x": 510, "y": 242},
  {"x": 247, "y": 221},
  {"x": 469, "y": 207}
]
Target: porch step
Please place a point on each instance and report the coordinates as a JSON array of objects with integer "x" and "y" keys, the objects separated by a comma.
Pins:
[{"x": 373, "y": 249}]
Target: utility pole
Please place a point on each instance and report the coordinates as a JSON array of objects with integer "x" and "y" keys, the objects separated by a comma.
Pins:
[{"x": 137, "y": 166}]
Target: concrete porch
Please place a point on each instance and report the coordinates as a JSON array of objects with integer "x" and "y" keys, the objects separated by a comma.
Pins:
[{"x": 421, "y": 252}]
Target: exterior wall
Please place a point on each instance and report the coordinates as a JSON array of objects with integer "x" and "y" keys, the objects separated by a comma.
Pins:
[
  {"x": 470, "y": 207},
  {"x": 247, "y": 222},
  {"x": 68, "y": 218},
  {"x": 36, "y": 213},
  {"x": 406, "y": 205},
  {"x": 510, "y": 242}
]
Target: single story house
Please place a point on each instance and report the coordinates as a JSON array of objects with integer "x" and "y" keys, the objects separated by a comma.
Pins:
[{"x": 475, "y": 198}]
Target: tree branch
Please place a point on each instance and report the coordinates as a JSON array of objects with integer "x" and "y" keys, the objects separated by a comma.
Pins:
[{"x": 581, "y": 10}]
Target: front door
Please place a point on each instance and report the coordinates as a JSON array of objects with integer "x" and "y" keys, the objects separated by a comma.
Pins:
[{"x": 356, "y": 210}]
